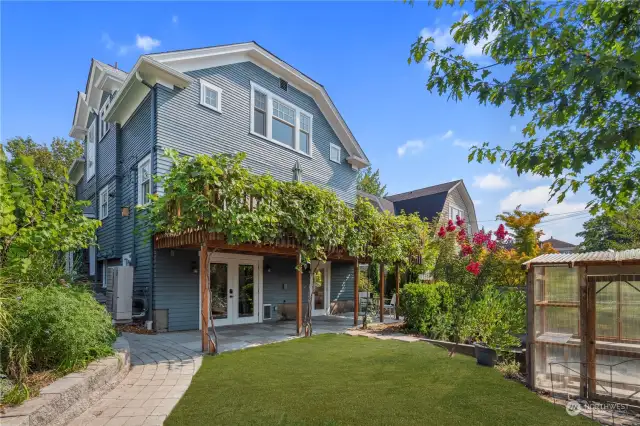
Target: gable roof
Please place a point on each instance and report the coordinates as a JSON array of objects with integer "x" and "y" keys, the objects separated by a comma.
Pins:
[
  {"x": 169, "y": 68},
  {"x": 380, "y": 203},
  {"x": 558, "y": 243},
  {"x": 429, "y": 190}
]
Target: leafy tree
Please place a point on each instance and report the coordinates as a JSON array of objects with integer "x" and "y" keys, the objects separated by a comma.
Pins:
[
  {"x": 619, "y": 231},
  {"x": 53, "y": 161},
  {"x": 573, "y": 69},
  {"x": 369, "y": 182},
  {"x": 38, "y": 216},
  {"x": 523, "y": 223}
]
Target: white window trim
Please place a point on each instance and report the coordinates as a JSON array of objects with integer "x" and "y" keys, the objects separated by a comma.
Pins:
[
  {"x": 140, "y": 163},
  {"x": 206, "y": 84},
  {"x": 104, "y": 273},
  {"x": 103, "y": 124},
  {"x": 104, "y": 192},
  {"x": 269, "y": 113},
  {"x": 91, "y": 152},
  {"x": 451, "y": 208},
  {"x": 331, "y": 148}
]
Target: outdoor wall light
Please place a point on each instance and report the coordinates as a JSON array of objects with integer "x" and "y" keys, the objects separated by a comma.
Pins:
[
  {"x": 125, "y": 211},
  {"x": 267, "y": 268},
  {"x": 194, "y": 267}
]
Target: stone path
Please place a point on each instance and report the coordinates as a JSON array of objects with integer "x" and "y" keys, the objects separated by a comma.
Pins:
[{"x": 160, "y": 374}]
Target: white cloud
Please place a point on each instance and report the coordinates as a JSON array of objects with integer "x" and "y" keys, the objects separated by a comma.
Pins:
[
  {"x": 477, "y": 202},
  {"x": 532, "y": 177},
  {"x": 565, "y": 207},
  {"x": 536, "y": 197},
  {"x": 475, "y": 50},
  {"x": 464, "y": 144},
  {"x": 441, "y": 37},
  {"x": 146, "y": 43},
  {"x": 175, "y": 19},
  {"x": 513, "y": 129},
  {"x": 106, "y": 40},
  {"x": 491, "y": 181},
  {"x": 411, "y": 147},
  {"x": 447, "y": 135}
]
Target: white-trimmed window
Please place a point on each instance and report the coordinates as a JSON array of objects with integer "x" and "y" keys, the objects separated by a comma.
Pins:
[
  {"x": 455, "y": 211},
  {"x": 91, "y": 151},
  {"x": 279, "y": 121},
  {"x": 210, "y": 96},
  {"x": 144, "y": 180},
  {"x": 104, "y": 126},
  {"x": 104, "y": 202},
  {"x": 104, "y": 273},
  {"x": 334, "y": 153}
]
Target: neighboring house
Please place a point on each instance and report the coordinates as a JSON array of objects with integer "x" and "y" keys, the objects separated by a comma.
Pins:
[
  {"x": 560, "y": 246},
  {"x": 225, "y": 99},
  {"x": 451, "y": 199}
]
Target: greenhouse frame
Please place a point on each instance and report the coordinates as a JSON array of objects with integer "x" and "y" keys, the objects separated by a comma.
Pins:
[{"x": 583, "y": 325}]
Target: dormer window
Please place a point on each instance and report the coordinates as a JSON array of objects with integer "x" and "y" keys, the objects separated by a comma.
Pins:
[
  {"x": 104, "y": 126},
  {"x": 210, "y": 96},
  {"x": 279, "y": 121}
]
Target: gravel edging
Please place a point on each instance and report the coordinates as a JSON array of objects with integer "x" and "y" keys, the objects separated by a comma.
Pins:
[{"x": 66, "y": 398}]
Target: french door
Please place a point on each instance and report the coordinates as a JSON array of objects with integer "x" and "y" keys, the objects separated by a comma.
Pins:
[
  {"x": 236, "y": 284},
  {"x": 320, "y": 277}
]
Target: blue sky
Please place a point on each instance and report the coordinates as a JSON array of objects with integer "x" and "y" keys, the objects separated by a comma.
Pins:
[{"x": 358, "y": 51}]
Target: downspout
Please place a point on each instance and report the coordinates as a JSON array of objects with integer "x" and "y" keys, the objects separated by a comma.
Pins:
[
  {"x": 96, "y": 202},
  {"x": 153, "y": 187}
]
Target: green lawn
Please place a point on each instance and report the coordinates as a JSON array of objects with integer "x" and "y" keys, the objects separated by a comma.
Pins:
[{"x": 339, "y": 379}]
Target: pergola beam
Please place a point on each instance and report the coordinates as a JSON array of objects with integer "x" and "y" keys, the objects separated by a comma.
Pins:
[
  {"x": 397, "y": 291},
  {"x": 382, "y": 293},
  {"x": 356, "y": 293},
  {"x": 299, "y": 294}
]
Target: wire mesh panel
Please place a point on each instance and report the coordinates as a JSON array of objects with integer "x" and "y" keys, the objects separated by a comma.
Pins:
[{"x": 630, "y": 307}]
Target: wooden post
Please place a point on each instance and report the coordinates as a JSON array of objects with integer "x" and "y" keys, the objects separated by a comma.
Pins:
[
  {"x": 584, "y": 335},
  {"x": 382, "y": 293},
  {"x": 531, "y": 328},
  {"x": 204, "y": 298},
  {"x": 591, "y": 335},
  {"x": 356, "y": 293},
  {"x": 397, "y": 291},
  {"x": 299, "y": 294}
]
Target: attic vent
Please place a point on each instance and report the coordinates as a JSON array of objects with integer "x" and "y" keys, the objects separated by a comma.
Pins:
[{"x": 283, "y": 84}]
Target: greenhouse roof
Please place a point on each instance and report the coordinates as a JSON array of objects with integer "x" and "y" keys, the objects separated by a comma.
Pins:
[{"x": 595, "y": 257}]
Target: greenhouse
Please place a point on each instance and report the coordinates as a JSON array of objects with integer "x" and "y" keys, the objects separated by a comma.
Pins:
[{"x": 583, "y": 324}]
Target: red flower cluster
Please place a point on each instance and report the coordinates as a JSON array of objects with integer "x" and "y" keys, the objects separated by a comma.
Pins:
[
  {"x": 462, "y": 236},
  {"x": 467, "y": 250},
  {"x": 474, "y": 268},
  {"x": 459, "y": 221},
  {"x": 442, "y": 233},
  {"x": 480, "y": 238},
  {"x": 492, "y": 245},
  {"x": 450, "y": 226},
  {"x": 501, "y": 233}
]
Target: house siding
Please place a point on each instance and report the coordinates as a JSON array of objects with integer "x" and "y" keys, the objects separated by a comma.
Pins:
[
  {"x": 283, "y": 272},
  {"x": 106, "y": 234},
  {"x": 454, "y": 198},
  {"x": 190, "y": 128},
  {"x": 176, "y": 288},
  {"x": 341, "y": 281}
]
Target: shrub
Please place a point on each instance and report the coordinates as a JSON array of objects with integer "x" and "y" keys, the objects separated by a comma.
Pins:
[
  {"x": 510, "y": 369},
  {"x": 495, "y": 318},
  {"x": 54, "y": 328},
  {"x": 432, "y": 309}
]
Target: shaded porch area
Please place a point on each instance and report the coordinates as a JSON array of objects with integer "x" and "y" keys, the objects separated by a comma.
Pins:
[{"x": 234, "y": 337}]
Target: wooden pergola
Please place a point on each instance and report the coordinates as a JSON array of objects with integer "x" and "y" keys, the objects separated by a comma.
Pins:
[
  {"x": 207, "y": 242},
  {"x": 565, "y": 310}
]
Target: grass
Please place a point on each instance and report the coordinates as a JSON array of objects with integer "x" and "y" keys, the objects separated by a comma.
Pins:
[{"x": 339, "y": 379}]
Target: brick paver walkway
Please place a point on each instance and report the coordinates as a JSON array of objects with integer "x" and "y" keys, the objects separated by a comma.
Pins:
[{"x": 161, "y": 371}]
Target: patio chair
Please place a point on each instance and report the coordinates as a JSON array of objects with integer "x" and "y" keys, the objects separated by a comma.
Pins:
[{"x": 391, "y": 307}]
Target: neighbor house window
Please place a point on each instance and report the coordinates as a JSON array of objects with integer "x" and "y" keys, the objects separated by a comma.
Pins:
[
  {"x": 91, "y": 151},
  {"x": 280, "y": 121},
  {"x": 103, "y": 126},
  {"x": 210, "y": 96},
  {"x": 334, "y": 153},
  {"x": 104, "y": 203},
  {"x": 144, "y": 180}
]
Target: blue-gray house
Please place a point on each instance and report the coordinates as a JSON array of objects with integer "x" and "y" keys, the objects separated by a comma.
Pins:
[{"x": 223, "y": 99}]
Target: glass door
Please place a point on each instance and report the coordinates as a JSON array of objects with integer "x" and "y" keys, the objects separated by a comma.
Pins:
[
  {"x": 246, "y": 292},
  {"x": 221, "y": 294},
  {"x": 320, "y": 286}
]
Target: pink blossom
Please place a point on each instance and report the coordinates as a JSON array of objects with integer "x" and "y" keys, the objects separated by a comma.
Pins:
[
  {"x": 501, "y": 233},
  {"x": 466, "y": 250},
  {"x": 442, "y": 233},
  {"x": 480, "y": 237},
  {"x": 474, "y": 268},
  {"x": 492, "y": 245},
  {"x": 459, "y": 221},
  {"x": 450, "y": 226},
  {"x": 462, "y": 236}
]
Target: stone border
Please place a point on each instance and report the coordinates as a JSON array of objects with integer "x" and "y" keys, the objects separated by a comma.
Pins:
[{"x": 71, "y": 395}]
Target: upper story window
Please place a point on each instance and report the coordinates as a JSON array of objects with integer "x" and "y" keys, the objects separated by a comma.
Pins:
[
  {"x": 104, "y": 126},
  {"x": 334, "y": 153},
  {"x": 91, "y": 151},
  {"x": 279, "y": 121},
  {"x": 455, "y": 211},
  {"x": 104, "y": 203},
  {"x": 144, "y": 180},
  {"x": 210, "y": 96}
]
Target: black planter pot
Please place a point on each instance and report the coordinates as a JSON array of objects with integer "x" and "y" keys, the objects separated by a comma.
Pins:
[{"x": 485, "y": 355}]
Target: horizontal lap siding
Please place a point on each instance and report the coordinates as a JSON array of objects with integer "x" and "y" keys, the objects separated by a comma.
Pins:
[
  {"x": 176, "y": 288},
  {"x": 190, "y": 128},
  {"x": 454, "y": 198},
  {"x": 341, "y": 281},
  {"x": 283, "y": 271},
  {"x": 136, "y": 144},
  {"x": 107, "y": 232}
]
